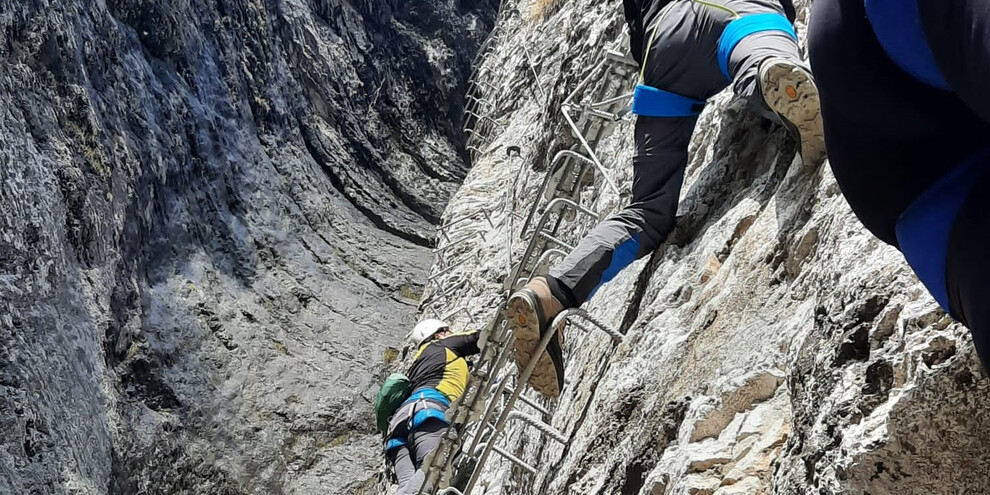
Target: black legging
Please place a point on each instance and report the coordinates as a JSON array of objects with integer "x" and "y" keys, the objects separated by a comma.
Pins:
[{"x": 890, "y": 137}]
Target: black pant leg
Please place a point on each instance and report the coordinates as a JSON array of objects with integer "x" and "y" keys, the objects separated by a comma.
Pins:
[
  {"x": 968, "y": 266},
  {"x": 889, "y": 136}
]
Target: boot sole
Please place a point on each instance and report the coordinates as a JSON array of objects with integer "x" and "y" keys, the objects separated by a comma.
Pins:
[
  {"x": 523, "y": 316},
  {"x": 790, "y": 92}
]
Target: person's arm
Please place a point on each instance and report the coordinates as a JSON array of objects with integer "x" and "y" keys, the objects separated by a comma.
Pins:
[
  {"x": 462, "y": 344},
  {"x": 634, "y": 19}
]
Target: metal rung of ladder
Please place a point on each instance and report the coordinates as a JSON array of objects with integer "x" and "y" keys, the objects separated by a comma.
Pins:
[
  {"x": 465, "y": 217},
  {"x": 529, "y": 402},
  {"x": 441, "y": 252},
  {"x": 549, "y": 237},
  {"x": 590, "y": 110},
  {"x": 511, "y": 458},
  {"x": 522, "y": 280},
  {"x": 447, "y": 316},
  {"x": 620, "y": 58},
  {"x": 550, "y": 431},
  {"x": 485, "y": 118},
  {"x": 436, "y": 276}
]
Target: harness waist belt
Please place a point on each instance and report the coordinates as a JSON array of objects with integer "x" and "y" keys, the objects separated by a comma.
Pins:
[
  {"x": 431, "y": 394},
  {"x": 653, "y": 102},
  {"x": 745, "y": 26}
]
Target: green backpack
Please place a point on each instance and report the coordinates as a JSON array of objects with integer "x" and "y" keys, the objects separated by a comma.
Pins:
[{"x": 393, "y": 393}]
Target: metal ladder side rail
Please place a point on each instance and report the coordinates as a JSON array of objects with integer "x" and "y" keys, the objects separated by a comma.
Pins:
[
  {"x": 571, "y": 154},
  {"x": 433, "y": 279},
  {"x": 460, "y": 310},
  {"x": 529, "y": 63},
  {"x": 579, "y": 133},
  {"x": 560, "y": 160},
  {"x": 504, "y": 352},
  {"x": 517, "y": 414},
  {"x": 524, "y": 378},
  {"x": 544, "y": 218},
  {"x": 539, "y": 262},
  {"x": 484, "y": 212},
  {"x": 550, "y": 237},
  {"x": 482, "y": 392},
  {"x": 452, "y": 243}
]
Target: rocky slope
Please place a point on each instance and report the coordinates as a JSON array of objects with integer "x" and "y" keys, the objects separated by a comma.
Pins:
[
  {"x": 772, "y": 345},
  {"x": 213, "y": 220}
]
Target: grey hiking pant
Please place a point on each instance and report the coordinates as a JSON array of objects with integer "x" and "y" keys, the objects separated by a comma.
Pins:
[
  {"x": 408, "y": 459},
  {"x": 682, "y": 59}
]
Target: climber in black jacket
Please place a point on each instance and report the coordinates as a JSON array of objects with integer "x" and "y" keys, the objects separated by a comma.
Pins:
[
  {"x": 905, "y": 91},
  {"x": 688, "y": 50},
  {"x": 438, "y": 376}
]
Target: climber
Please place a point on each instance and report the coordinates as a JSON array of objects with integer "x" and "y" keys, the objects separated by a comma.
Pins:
[
  {"x": 906, "y": 109},
  {"x": 690, "y": 50},
  {"x": 438, "y": 376}
]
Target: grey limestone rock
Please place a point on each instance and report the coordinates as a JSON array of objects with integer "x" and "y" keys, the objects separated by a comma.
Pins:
[{"x": 214, "y": 219}]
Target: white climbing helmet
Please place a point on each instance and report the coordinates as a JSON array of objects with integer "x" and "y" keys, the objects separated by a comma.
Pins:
[{"x": 426, "y": 329}]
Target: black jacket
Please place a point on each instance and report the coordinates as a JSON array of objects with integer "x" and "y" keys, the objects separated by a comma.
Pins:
[
  {"x": 440, "y": 364},
  {"x": 639, "y": 13}
]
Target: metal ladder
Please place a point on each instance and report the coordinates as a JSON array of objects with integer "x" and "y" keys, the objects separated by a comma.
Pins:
[{"x": 489, "y": 403}]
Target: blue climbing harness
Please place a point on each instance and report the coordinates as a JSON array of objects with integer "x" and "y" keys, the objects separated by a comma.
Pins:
[
  {"x": 422, "y": 405},
  {"x": 653, "y": 102},
  {"x": 897, "y": 25},
  {"x": 924, "y": 228},
  {"x": 744, "y": 26}
]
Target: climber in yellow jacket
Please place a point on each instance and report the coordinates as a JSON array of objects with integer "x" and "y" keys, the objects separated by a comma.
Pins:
[{"x": 438, "y": 376}]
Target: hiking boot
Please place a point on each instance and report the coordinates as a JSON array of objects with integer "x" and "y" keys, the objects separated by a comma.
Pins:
[
  {"x": 790, "y": 91},
  {"x": 529, "y": 312}
]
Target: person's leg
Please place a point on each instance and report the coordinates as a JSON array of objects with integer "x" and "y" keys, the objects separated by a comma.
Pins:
[
  {"x": 637, "y": 230},
  {"x": 634, "y": 232},
  {"x": 423, "y": 440},
  {"x": 889, "y": 136},
  {"x": 769, "y": 73},
  {"x": 680, "y": 59},
  {"x": 968, "y": 265},
  {"x": 958, "y": 32},
  {"x": 402, "y": 463}
]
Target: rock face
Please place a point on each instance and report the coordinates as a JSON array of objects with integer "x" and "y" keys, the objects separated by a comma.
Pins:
[
  {"x": 213, "y": 220},
  {"x": 772, "y": 345}
]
